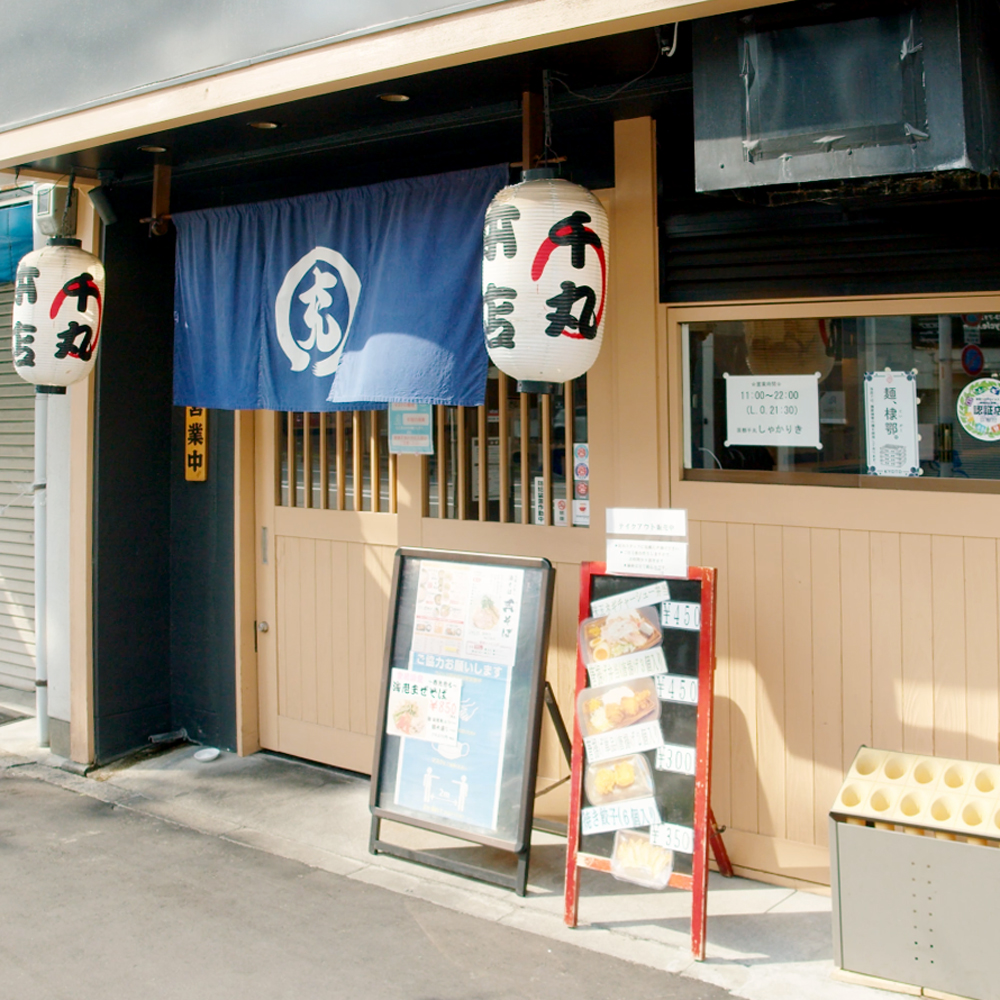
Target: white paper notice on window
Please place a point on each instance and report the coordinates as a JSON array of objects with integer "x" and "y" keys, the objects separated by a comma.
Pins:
[
  {"x": 772, "y": 410},
  {"x": 892, "y": 440}
]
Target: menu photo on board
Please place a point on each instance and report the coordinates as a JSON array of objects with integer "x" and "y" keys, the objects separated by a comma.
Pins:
[
  {"x": 465, "y": 634},
  {"x": 637, "y": 722}
]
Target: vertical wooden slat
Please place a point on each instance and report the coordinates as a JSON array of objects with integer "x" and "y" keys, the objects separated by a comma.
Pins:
[
  {"x": 950, "y": 684},
  {"x": 545, "y": 418},
  {"x": 374, "y": 461},
  {"x": 340, "y": 617},
  {"x": 484, "y": 463},
  {"x": 292, "y": 464},
  {"x": 887, "y": 641},
  {"x": 827, "y": 684},
  {"x": 982, "y": 647},
  {"x": 525, "y": 444},
  {"x": 504, "y": 448},
  {"x": 327, "y": 638},
  {"x": 743, "y": 676},
  {"x": 462, "y": 471},
  {"x": 856, "y": 638},
  {"x": 324, "y": 464},
  {"x": 918, "y": 662},
  {"x": 442, "y": 461},
  {"x": 392, "y": 482},
  {"x": 308, "y": 613},
  {"x": 356, "y": 659},
  {"x": 357, "y": 459},
  {"x": 341, "y": 466},
  {"x": 307, "y": 460},
  {"x": 276, "y": 417},
  {"x": 798, "y": 654},
  {"x": 769, "y": 629}
]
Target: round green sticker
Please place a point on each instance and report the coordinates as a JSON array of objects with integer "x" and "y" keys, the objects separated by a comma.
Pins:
[{"x": 978, "y": 409}]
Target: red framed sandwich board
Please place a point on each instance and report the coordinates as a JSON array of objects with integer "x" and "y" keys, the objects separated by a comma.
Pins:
[{"x": 682, "y": 798}]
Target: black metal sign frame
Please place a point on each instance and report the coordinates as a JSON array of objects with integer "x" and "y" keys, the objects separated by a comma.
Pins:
[{"x": 517, "y": 759}]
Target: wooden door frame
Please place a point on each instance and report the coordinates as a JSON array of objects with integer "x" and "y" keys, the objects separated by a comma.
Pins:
[{"x": 245, "y": 555}]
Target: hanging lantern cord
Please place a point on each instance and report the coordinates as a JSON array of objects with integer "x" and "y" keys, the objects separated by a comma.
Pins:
[
  {"x": 548, "y": 153},
  {"x": 69, "y": 202}
]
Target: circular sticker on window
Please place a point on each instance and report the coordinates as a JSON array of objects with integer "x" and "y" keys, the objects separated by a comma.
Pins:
[{"x": 978, "y": 409}]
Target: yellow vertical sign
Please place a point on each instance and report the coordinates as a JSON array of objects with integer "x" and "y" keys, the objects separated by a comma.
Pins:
[{"x": 195, "y": 444}]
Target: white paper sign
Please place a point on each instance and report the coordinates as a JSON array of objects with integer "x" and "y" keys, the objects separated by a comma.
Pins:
[
  {"x": 424, "y": 706},
  {"x": 672, "y": 757},
  {"x": 647, "y": 521},
  {"x": 892, "y": 442},
  {"x": 772, "y": 410},
  {"x": 632, "y": 557},
  {"x": 673, "y": 837},
  {"x": 642, "y": 597},
  {"x": 621, "y": 816},
  {"x": 681, "y": 614},
  {"x": 619, "y": 742},
  {"x": 581, "y": 513},
  {"x": 648, "y": 663},
  {"x": 675, "y": 688}
]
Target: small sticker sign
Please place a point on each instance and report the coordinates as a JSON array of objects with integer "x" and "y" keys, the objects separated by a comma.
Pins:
[
  {"x": 893, "y": 444},
  {"x": 673, "y": 837},
  {"x": 978, "y": 409},
  {"x": 619, "y": 742},
  {"x": 195, "y": 444},
  {"x": 681, "y": 614},
  {"x": 411, "y": 429},
  {"x": 675, "y": 758},
  {"x": 648, "y": 663},
  {"x": 678, "y": 689},
  {"x": 623, "y": 816},
  {"x": 646, "y": 521}
]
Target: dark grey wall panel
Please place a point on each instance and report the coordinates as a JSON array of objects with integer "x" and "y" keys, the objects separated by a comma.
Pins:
[
  {"x": 163, "y": 547},
  {"x": 132, "y": 490},
  {"x": 202, "y": 627},
  {"x": 103, "y": 49}
]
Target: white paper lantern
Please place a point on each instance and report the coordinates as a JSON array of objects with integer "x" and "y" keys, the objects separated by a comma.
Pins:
[
  {"x": 545, "y": 280},
  {"x": 58, "y": 307}
]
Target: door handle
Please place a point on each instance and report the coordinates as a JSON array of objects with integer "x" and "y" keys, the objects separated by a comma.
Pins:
[{"x": 262, "y": 626}]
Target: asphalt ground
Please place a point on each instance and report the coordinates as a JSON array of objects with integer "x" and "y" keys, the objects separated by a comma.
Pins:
[{"x": 98, "y": 902}]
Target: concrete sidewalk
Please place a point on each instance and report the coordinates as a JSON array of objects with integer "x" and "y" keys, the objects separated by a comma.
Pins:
[{"x": 764, "y": 942}]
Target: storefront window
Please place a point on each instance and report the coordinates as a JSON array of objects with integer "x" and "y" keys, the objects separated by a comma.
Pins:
[{"x": 860, "y": 396}]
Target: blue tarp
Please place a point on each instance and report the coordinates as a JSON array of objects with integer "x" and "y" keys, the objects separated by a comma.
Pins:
[
  {"x": 343, "y": 300},
  {"x": 15, "y": 238}
]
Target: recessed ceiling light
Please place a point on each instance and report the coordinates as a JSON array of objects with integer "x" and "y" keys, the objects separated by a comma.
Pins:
[
  {"x": 153, "y": 149},
  {"x": 264, "y": 126},
  {"x": 393, "y": 98}
]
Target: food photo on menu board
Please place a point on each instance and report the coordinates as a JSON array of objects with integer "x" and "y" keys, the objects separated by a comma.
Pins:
[
  {"x": 628, "y": 796},
  {"x": 463, "y": 649}
]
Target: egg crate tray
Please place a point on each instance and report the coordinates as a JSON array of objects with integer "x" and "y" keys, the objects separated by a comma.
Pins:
[{"x": 957, "y": 797}]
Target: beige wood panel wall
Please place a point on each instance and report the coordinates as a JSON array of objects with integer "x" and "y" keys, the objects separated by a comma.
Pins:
[
  {"x": 829, "y": 639},
  {"x": 846, "y": 617}
]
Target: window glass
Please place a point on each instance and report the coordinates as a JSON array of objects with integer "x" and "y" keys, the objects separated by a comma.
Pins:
[{"x": 862, "y": 395}]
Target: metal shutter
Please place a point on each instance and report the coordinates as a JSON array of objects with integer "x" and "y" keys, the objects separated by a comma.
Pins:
[{"x": 17, "y": 587}]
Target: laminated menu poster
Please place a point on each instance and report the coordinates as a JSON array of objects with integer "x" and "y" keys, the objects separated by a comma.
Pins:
[
  {"x": 638, "y": 719},
  {"x": 469, "y": 630}
]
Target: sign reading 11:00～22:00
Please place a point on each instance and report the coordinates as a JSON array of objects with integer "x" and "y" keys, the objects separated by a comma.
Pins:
[{"x": 772, "y": 410}]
